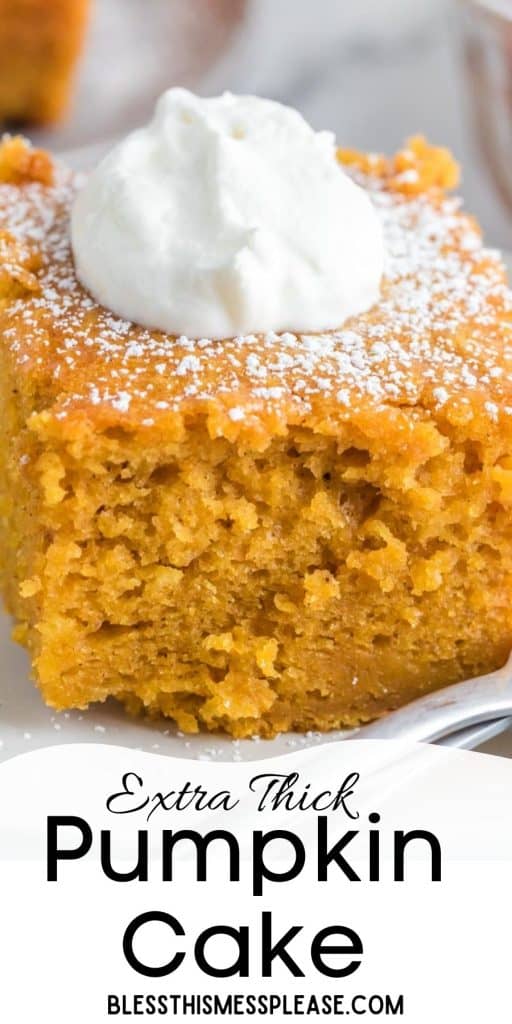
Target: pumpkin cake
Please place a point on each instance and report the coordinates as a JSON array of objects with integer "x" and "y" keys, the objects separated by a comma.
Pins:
[
  {"x": 270, "y": 532},
  {"x": 40, "y": 41}
]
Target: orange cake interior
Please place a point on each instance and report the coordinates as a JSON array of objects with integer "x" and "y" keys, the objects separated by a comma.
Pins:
[{"x": 264, "y": 533}]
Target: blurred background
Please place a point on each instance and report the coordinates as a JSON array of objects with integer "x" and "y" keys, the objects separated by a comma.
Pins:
[{"x": 375, "y": 71}]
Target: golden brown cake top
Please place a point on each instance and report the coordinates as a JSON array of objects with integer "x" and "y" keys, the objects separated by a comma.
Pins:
[{"x": 439, "y": 342}]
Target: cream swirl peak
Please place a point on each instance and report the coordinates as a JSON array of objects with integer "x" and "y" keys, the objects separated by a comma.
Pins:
[{"x": 224, "y": 217}]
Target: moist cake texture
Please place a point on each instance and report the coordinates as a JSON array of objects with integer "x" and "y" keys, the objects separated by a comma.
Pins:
[
  {"x": 39, "y": 44},
  {"x": 263, "y": 533}
]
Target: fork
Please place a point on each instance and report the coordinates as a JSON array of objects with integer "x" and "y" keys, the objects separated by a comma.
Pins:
[{"x": 458, "y": 707}]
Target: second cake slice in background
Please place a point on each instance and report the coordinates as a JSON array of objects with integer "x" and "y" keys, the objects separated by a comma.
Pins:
[{"x": 40, "y": 41}]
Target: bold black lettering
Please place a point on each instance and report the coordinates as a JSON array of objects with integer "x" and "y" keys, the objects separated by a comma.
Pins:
[
  {"x": 239, "y": 966},
  {"x": 54, "y": 853},
  {"x": 171, "y": 839},
  {"x": 319, "y": 950},
  {"x": 374, "y": 863},
  {"x": 260, "y": 870},
  {"x": 402, "y": 839},
  {"x": 269, "y": 952},
  {"x": 139, "y": 872},
  {"x": 131, "y": 932},
  {"x": 326, "y": 856}
]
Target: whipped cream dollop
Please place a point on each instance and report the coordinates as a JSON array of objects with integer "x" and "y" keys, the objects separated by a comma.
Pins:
[{"x": 224, "y": 217}]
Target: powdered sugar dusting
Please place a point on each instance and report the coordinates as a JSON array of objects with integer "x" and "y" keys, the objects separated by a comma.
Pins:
[{"x": 442, "y": 330}]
